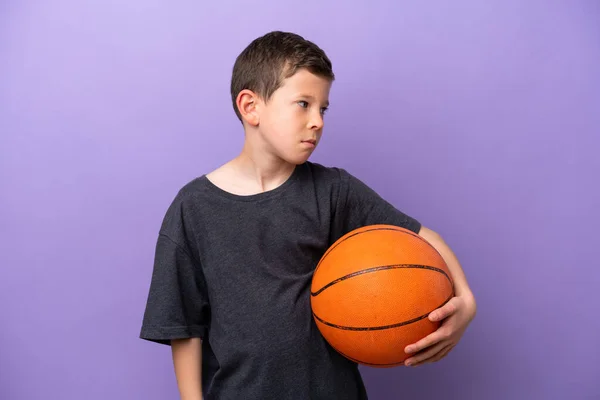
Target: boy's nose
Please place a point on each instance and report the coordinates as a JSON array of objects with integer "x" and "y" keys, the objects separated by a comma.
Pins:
[{"x": 316, "y": 122}]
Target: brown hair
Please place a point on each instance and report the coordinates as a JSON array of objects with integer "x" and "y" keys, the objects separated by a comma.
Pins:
[{"x": 269, "y": 59}]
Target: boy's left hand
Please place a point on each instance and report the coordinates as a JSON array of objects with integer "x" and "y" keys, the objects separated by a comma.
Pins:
[{"x": 455, "y": 315}]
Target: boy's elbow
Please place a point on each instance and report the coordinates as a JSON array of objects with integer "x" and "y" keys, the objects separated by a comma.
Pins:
[{"x": 430, "y": 235}]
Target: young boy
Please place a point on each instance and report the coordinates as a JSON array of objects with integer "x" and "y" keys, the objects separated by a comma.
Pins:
[{"x": 230, "y": 289}]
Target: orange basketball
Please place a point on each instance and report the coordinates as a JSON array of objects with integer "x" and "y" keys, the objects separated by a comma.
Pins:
[{"x": 373, "y": 290}]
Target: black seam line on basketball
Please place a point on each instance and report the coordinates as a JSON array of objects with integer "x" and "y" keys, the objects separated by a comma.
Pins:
[
  {"x": 398, "y": 228},
  {"x": 364, "y": 362},
  {"x": 380, "y": 268},
  {"x": 379, "y": 328},
  {"x": 358, "y": 233}
]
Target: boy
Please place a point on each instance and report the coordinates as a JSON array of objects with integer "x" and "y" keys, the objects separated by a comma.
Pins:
[{"x": 237, "y": 247}]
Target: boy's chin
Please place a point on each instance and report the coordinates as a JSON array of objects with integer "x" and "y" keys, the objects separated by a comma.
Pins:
[{"x": 298, "y": 159}]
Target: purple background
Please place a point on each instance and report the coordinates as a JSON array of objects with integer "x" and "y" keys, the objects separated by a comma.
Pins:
[{"x": 480, "y": 118}]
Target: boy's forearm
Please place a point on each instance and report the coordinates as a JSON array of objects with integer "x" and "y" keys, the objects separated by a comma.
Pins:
[
  {"x": 461, "y": 287},
  {"x": 187, "y": 360}
]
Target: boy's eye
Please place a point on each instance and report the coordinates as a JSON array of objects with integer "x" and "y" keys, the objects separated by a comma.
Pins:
[{"x": 304, "y": 104}]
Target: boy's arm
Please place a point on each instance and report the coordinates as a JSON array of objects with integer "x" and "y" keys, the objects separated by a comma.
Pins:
[
  {"x": 461, "y": 287},
  {"x": 187, "y": 360},
  {"x": 455, "y": 315}
]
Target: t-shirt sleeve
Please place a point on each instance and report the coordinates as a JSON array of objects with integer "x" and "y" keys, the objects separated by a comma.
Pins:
[
  {"x": 177, "y": 306},
  {"x": 359, "y": 205}
]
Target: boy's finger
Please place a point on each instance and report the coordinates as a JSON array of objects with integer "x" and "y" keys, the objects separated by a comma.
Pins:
[
  {"x": 427, "y": 341},
  {"x": 443, "y": 353},
  {"x": 426, "y": 355},
  {"x": 445, "y": 311}
]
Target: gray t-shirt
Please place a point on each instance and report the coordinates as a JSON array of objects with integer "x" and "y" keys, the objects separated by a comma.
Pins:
[{"x": 236, "y": 271}]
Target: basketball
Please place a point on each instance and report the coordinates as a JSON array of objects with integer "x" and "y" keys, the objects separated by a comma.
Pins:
[{"x": 372, "y": 291}]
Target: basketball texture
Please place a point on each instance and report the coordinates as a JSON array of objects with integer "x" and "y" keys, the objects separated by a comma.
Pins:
[{"x": 373, "y": 290}]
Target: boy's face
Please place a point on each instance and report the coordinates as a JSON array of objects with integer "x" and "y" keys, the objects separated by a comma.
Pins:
[{"x": 291, "y": 122}]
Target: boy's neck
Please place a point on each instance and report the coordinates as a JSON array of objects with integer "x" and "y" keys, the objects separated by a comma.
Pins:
[
  {"x": 262, "y": 171},
  {"x": 252, "y": 172}
]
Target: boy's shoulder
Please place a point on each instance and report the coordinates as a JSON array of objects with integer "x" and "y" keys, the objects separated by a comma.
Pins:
[
  {"x": 330, "y": 174},
  {"x": 326, "y": 172}
]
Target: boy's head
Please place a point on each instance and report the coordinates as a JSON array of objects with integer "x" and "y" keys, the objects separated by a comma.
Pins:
[
  {"x": 280, "y": 85},
  {"x": 270, "y": 59}
]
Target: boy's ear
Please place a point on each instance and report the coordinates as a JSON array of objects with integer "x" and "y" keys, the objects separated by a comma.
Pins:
[{"x": 247, "y": 103}]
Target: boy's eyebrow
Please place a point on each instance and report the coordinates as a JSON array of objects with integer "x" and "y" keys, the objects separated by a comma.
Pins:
[{"x": 307, "y": 96}]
